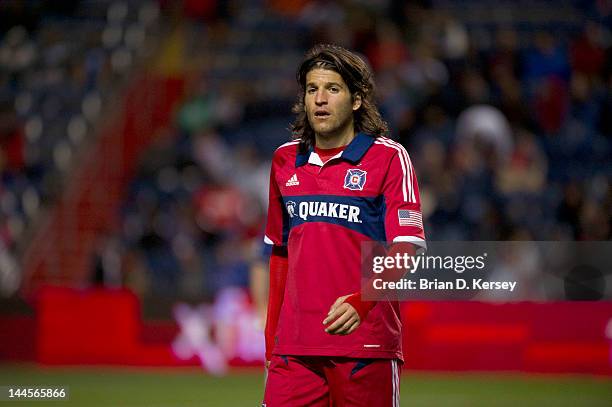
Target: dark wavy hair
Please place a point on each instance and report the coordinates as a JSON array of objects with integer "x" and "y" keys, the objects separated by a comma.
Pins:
[{"x": 356, "y": 74}]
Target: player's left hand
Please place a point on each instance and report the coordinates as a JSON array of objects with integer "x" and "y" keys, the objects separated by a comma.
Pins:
[{"x": 344, "y": 316}]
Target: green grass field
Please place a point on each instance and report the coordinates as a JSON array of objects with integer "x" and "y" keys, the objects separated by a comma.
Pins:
[{"x": 113, "y": 387}]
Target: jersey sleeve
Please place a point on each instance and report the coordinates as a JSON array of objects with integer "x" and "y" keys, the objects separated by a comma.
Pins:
[
  {"x": 276, "y": 225},
  {"x": 403, "y": 217}
]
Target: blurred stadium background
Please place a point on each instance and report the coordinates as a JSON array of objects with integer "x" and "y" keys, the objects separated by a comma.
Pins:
[{"x": 135, "y": 143}]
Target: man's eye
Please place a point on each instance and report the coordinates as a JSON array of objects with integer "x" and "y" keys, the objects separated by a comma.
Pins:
[
  {"x": 311, "y": 90},
  {"x": 334, "y": 89}
]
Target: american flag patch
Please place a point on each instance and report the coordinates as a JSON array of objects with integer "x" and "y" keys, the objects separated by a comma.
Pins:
[{"x": 410, "y": 218}]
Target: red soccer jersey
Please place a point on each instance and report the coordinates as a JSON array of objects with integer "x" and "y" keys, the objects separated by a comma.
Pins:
[{"x": 322, "y": 213}]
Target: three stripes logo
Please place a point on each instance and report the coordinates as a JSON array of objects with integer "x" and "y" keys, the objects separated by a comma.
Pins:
[
  {"x": 293, "y": 181},
  {"x": 407, "y": 217}
]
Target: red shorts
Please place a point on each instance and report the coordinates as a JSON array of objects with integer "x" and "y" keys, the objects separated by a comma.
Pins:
[{"x": 297, "y": 381}]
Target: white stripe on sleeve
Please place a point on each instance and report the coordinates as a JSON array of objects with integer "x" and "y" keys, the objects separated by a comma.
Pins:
[{"x": 403, "y": 164}]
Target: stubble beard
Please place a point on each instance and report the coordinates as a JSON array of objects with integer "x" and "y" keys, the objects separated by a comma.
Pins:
[{"x": 328, "y": 131}]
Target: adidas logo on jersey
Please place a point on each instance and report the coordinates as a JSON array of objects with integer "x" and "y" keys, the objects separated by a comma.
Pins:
[{"x": 293, "y": 181}]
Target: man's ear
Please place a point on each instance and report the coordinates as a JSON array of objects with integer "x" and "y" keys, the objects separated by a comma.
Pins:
[{"x": 356, "y": 101}]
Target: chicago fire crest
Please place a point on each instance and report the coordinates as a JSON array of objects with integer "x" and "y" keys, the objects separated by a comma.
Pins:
[{"x": 355, "y": 179}]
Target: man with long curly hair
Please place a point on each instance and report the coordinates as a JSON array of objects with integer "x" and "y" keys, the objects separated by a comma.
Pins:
[{"x": 339, "y": 183}]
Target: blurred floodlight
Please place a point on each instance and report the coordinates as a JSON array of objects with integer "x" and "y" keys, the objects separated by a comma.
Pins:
[
  {"x": 77, "y": 128},
  {"x": 33, "y": 129}
]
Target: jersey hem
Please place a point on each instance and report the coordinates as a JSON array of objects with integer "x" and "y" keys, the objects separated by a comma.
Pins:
[{"x": 348, "y": 353}]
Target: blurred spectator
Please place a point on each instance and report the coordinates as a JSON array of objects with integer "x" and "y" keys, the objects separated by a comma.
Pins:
[
  {"x": 587, "y": 52},
  {"x": 569, "y": 208},
  {"x": 547, "y": 58},
  {"x": 107, "y": 262},
  {"x": 487, "y": 125},
  {"x": 526, "y": 169},
  {"x": 11, "y": 140},
  {"x": 550, "y": 104}
]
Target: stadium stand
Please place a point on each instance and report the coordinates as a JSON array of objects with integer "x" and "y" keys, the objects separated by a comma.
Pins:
[{"x": 61, "y": 65}]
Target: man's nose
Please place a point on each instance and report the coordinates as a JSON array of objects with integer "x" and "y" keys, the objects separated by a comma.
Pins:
[{"x": 320, "y": 98}]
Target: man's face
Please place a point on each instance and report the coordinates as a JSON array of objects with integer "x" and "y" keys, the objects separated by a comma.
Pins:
[{"x": 328, "y": 103}]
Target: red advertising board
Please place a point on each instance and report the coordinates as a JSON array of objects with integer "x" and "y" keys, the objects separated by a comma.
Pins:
[{"x": 97, "y": 326}]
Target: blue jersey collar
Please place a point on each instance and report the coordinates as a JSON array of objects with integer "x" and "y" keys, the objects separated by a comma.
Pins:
[{"x": 352, "y": 153}]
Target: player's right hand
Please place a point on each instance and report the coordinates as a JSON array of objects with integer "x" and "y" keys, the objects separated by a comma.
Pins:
[{"x": 342, "y": 318}]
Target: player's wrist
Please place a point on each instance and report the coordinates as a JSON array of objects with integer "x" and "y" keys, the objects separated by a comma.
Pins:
[{"x": 362, "y": 307}]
